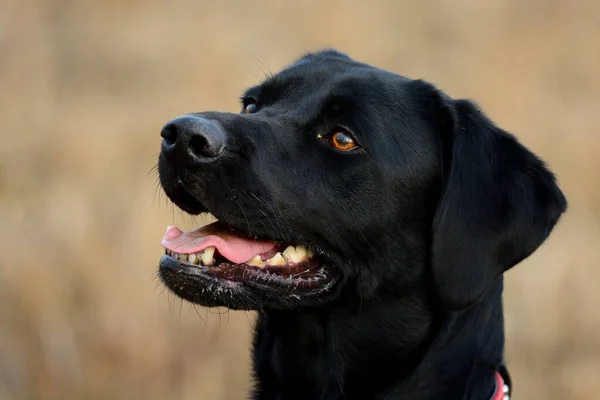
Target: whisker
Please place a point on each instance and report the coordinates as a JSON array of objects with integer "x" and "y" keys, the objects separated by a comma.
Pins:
[
  {"x": 157, "y": 192},
  {"x": 275, "y": 223},
  {"x": 203, "y": 320},
  {"x": 301, "y": 273},
  {"x": 219, "y": 322},
  {"x": 180, "y": 307},
  {"x": 248, "y": 318},
  {"x": 152, "y": 172},
  {"x": 227, "y": 319},
  {"x": 264, "y": 67},
  {"x": 245, "y": 216}
]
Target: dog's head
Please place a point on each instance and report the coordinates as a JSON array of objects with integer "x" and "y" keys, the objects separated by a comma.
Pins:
[{"x": 338, "y": 177}]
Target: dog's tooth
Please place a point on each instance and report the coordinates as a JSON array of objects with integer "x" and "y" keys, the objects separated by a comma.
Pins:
[
  {"x": 207, "y": 256},
  {"x": 277, "y": 259},
  {"x": 302, "y": 253},
  {"x": 182, "y": 257},
  {"x": 256, "y": 260},
  {"x": 290, "y": 254},
  {"x": 193, "y": 259}
]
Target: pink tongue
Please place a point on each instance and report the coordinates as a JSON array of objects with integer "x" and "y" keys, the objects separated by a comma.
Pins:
[{"x": 236, "y": 249}]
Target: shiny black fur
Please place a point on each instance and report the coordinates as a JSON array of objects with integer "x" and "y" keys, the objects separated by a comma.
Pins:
[{"x": 416, "y": 227}]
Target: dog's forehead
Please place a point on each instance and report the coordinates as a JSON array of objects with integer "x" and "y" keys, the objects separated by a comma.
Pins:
[
  {"x": 324, "y": 72},
  {"x": 323, "y": 62},
  {"x": 314, "y": 78}
]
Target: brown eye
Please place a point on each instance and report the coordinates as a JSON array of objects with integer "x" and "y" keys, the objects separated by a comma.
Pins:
[
  {"x": 342, "y": 141},
  {"x": 250, "y": 108}
]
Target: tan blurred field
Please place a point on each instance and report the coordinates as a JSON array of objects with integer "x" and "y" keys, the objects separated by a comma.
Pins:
[{"x": 84, "y": 89}]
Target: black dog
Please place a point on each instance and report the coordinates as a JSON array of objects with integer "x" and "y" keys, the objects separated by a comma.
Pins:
[{"x": 368, "y": 218}]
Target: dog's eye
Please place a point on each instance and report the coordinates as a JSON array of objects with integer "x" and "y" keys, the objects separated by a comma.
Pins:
[
  {"x": 250, "y": 106},
  {"x": 342, "y": 140}
]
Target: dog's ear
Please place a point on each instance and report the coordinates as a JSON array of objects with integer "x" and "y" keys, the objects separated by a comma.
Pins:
[{"x": 499, "y": 202}]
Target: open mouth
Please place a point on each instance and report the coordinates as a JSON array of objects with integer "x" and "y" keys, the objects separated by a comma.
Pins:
[{"x": 219, "y": 251}]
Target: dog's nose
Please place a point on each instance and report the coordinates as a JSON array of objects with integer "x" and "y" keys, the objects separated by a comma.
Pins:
[{"x": 196, "y": 138}]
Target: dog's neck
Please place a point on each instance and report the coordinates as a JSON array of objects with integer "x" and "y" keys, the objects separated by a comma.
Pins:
[{"x": 355, "y": 351}]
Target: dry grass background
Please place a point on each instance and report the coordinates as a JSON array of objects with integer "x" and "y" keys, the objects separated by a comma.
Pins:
[{"x": 84, "y": 89}]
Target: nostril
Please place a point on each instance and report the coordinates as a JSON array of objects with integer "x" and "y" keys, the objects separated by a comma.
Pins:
[
  {"x": 169, "y": 134},
  {"x": 200, "y": 146}
]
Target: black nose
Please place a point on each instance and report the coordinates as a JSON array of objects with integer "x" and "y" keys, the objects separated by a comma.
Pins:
[{"x": 194, "y": 138}]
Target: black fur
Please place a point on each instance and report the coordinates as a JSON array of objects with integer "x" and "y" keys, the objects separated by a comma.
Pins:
[{"x": 415, "y": 228}]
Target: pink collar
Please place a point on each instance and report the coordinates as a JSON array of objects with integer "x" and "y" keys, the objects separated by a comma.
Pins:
[{"x": 502, "y": 390}]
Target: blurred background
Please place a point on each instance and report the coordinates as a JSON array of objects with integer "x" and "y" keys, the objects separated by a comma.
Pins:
[{"x": 85, "y": 87}]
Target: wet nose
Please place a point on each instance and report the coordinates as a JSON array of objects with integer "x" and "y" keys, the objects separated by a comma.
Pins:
[{"x": 194, "y": 138}]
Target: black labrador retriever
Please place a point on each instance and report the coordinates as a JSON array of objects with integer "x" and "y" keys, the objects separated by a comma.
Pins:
[{"x": 368, "y": 217}]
